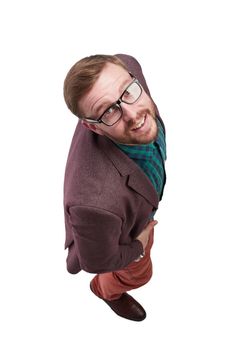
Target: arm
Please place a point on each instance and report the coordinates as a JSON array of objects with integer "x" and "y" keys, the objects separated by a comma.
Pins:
[{"x": 97, "y": 240}]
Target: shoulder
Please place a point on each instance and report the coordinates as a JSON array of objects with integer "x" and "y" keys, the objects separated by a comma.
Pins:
[
  {"x": 135, "y": 68},
  {"x": 129, "y": 60},
  {"x": 91, "y": 173}
]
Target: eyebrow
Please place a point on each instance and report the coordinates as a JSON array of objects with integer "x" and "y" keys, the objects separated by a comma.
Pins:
[
  {"x": 106, "y": 104},
  {"x": 102, "y": 106}
]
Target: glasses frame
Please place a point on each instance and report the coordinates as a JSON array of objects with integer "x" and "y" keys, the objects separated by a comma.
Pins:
[{"x": 116, "y": 103}]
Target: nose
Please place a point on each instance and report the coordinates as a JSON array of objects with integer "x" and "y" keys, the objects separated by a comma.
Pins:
[{"x": 130, "y": 112}]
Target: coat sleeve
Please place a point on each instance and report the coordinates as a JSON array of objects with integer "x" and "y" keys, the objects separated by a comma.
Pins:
[{"x": 97, "y": 234}]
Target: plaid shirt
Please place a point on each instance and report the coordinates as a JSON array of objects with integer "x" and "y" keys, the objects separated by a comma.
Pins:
[{"x": 150, "y": 158}]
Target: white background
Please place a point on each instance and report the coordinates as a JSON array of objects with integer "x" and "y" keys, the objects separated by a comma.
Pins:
[{"x": 193, "y": 57}]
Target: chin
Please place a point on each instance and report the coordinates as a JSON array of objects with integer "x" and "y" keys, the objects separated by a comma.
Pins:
[
  {"x": 143, "y": 139},
  {"x": 146, "y": 140},
  {"x": 150, "y": 137}
]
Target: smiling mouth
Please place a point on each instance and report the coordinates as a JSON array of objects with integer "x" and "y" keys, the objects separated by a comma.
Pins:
[{"x": 140, "y": 124}]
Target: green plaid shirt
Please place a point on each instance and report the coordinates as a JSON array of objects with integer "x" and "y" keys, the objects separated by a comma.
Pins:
[{"x": 150, "y": 158}]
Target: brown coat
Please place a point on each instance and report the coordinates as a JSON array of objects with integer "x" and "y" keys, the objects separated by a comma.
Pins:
[{"x": 107, "y": 200}]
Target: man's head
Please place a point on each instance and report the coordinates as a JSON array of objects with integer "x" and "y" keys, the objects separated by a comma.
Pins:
[{"x": 110, "y": 101}]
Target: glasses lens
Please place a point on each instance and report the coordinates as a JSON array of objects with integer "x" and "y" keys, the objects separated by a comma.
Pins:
[
  {"x": 112, "y": 115},
  {"x": 132, "y": 93}
]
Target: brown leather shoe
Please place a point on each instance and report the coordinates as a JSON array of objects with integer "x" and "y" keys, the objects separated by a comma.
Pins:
[{"x": 126, "y": 306}]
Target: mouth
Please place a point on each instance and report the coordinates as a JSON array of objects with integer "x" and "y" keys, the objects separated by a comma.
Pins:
[{"x": 140, "y": 124}]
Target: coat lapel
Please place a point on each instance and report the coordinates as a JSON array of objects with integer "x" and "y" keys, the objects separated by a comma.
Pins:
[
  {"x": 137, "y": 180},
  {"x": 141, "y": 184}
]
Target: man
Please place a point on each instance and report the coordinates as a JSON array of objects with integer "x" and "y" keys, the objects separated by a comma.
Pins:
[{"x": 114, "y": 178}]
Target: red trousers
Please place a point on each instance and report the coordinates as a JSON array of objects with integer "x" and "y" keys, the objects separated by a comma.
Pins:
[{"x": 111, "y": 285}]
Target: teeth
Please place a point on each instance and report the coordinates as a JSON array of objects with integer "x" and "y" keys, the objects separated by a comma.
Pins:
[{"x": 141, "y": 123}]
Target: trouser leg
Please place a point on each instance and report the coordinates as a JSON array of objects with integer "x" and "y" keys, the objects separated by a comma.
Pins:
[{"x": 112, "y": 285}]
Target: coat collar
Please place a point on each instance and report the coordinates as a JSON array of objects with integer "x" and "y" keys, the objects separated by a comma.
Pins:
[{"x": 137, "y": 179}]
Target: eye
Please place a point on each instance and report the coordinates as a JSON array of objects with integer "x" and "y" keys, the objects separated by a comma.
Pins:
[
  {"x": 127, "y": 94},
  {"x": 109, "y": 111},
  {"x": 111, "y": 115}
]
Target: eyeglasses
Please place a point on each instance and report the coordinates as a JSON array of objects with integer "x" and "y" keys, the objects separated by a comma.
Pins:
[{"x": 113, "y": 113}]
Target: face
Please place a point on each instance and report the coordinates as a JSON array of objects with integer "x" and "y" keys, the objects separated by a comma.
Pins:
[{"x": 138, "y": 122}]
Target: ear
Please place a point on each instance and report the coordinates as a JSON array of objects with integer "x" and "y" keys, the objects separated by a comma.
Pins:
[{"x": 92, "y": 127}]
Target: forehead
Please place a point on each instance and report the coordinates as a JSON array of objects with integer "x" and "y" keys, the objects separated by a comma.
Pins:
[
  {"x": 110, "y": 73},
  {"x": 107, "y": 88}
]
